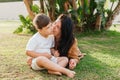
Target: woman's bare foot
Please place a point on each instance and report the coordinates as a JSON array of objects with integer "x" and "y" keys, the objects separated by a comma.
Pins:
[
  {"x": 56, "y": 73},
  {"x": 71, "y": 74},
  {"x": 82, "y": 55}
]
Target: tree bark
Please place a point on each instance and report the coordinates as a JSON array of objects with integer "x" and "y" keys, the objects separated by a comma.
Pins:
[
  {"x": 66, "y": 6},
  {"x": 28, "y": 3},
  {"x": 51, "y": 10},
  {"x": 74, "y": 4},
  {"x": 98, "y": 23},
  {"x": 112, "y": 16},
  {"x": 42, "y": 6}
]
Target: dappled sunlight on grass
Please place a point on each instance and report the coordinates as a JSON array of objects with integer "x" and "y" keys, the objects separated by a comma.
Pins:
[
  {"x": 107, "y": 59},
  {"x": 93, "y": 69},
  {"x": 115, "y": 27}
]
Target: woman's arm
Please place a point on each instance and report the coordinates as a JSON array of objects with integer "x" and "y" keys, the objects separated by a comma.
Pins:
[{"x": 74, "y": 54}]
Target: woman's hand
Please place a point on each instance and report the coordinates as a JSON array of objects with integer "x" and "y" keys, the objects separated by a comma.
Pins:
[
  {"x": 56, "y": 53},
  {"x": 72, "y": 63}
]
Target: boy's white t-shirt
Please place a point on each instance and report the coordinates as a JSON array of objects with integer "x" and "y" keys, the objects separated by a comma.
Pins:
[{"x": 40, "y": 44}]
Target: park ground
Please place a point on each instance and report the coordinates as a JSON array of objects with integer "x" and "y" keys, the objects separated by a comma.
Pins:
[{"x": 102, "y": 61}]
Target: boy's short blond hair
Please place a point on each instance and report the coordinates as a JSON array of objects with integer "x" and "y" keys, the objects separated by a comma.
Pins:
[{"x": 40, "y": 21}]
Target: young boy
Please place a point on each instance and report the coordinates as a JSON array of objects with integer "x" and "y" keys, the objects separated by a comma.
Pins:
[{"x": 41, "y": 43}]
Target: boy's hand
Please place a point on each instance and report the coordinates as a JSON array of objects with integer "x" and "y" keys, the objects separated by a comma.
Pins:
[
  {"x": 29, "y": 61},
  {"x": 47, "y": 55},
  {"x": 56, "y": 53}
]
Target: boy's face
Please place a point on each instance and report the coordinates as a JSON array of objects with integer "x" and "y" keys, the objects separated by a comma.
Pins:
[{"x": 48, "y": 30}]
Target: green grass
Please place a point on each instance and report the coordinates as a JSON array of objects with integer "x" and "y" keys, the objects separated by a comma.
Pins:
[
  {"x": 102, "y": 61},
  {"x": 103, "y": 56},
  {"x": 115, "y": 27},
  {"x": 9, "y": 0}
]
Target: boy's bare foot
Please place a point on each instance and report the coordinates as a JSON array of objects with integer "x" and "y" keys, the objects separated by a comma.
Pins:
[
  {"x": 71, "y": 74},
  {"x": 56, "y": 73}
]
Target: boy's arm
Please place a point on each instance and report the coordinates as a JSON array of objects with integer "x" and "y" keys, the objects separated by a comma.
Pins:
[
  {"x": 52, "y": 51},
  {"x": 35, "y": 54}
]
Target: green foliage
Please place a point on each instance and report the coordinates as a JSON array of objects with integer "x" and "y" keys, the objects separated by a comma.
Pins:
[
  {"x": 26, "y": 27},
  {"x": 85, "y": 16},
  {"x": 88, "y": 12},
  {"x": 100, "y": 5},
  {"x": 86, "y": 7},
  {"x": 80, "y": 15},
  {"x": 60, "y": 6},
  {"x": 113, "y": 0},
  {"x": 35, "y": 8}
]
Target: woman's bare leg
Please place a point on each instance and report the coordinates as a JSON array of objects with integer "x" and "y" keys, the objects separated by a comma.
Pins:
[{"x": 49, "y": 65}]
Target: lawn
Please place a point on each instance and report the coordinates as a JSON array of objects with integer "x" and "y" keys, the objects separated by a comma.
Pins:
[
  {"x": 9, "y": 0},
  {"x": 102, "y": 61}
]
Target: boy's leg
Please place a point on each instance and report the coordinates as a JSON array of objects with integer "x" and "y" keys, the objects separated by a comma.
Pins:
[
  {"x": 49, "y": 65},
  {"x": 53, "y": 72},
  {"x": 62, "y": 61}
]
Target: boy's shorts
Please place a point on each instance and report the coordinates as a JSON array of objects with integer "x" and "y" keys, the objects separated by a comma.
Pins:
[{"x": 36, "y": 67}]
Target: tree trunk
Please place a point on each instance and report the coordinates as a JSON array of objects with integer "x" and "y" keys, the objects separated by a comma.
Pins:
[
  {"x": 74, "y": 4},
  {"x": 42, "y": 6},
  {"x": 66, "y": 6},
  {"x": 98, "y": 23},
  {"x": 68, "y": 3},
  {"x": 28, "y": 3},
  {"x": 112, "y": 16},
  {"x": 51, "y": 10}
]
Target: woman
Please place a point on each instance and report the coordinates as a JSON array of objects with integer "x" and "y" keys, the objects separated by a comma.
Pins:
[{"x": 65, "y": 42}]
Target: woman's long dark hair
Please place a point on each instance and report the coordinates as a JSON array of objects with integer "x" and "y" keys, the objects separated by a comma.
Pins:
[{"x": 67, "y": 37}]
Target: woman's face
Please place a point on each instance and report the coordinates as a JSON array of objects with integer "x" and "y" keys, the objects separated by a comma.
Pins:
[{"x": 57, "y": 28}]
